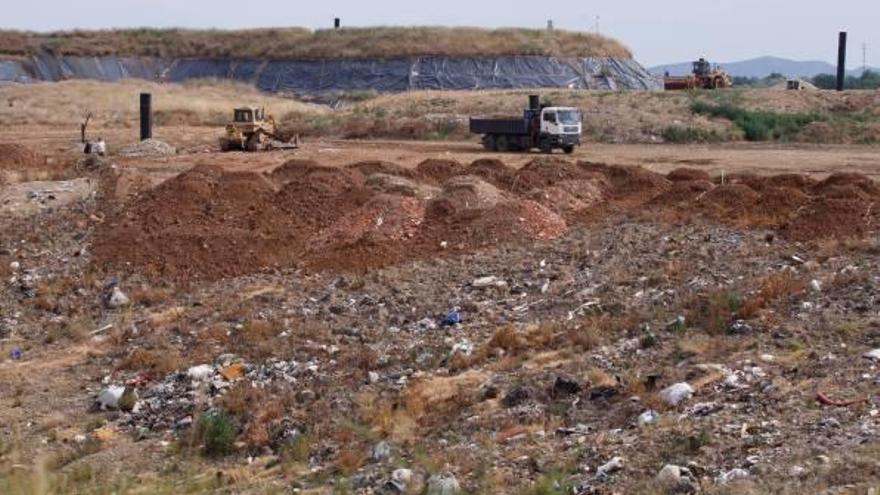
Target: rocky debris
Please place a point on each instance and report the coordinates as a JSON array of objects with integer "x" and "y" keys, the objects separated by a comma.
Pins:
[
  {"x": 443, "y": 484},
  {"x": 516, "y": 396},
  {"x": 648, "y": 417},
  {"x": 148, "y": 147},
  {"x": 677, "y": 393},
  {"x": 873, "y": 355},
  {"x": 399, "y": 483},
  {"x": 609, "y": 468},
  {"x": 123, "y": 398},
  {"x": 566, "y": 386},
  {"x": 677, "y": 480},
  {"x": 490, "y": 281},
  {"x": 381, "y": 452},
  {"x": 116, "y": 299},
  {"x": 737, "y": 474}
]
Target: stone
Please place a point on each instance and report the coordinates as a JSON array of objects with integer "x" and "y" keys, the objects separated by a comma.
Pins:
[
  {"x": 14, "y": 266},
  {"x": 565, "y": 385},
  {"x": 610, "y": 467},
  {"x": 515, "y": 397},
  {"x": 873, "y": 355},
  {"x": 677, "y": 393},
  {"x": 736, "y": 474},
  {"x": 109, "y": 397},
  {"x": 815, "y": 285},
  {"x": 117, "y": 299},
  {"x": 443, "y": 484},
  {"x": 491, "y": 281},
  {"x": 648, "y": 417},
  {"x": 381, "y": 452},
  {"x": 373, "y": 377},
  {"x": 676, "y": 479},
  {"x": 200, "y": 373}
]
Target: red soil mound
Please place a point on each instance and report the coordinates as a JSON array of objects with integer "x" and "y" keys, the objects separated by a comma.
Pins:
[
  {"x": 823, "y": 217},
  {"x": 439, "y": 170},
  {"x": 371, "y": 167},
  {"x": 687, "y": 174},
  {"x": 493, "y": 171}
]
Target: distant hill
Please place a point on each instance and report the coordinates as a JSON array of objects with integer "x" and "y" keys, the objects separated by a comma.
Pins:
[{"x": 761, "y": 67}]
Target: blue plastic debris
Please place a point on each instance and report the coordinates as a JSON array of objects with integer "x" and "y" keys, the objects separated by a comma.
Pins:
[
  {"x": 17, "y": 353},
  {"x": 452, "y": 319}
]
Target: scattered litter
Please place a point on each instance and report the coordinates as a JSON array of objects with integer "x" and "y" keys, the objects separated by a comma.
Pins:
[
  {"x": 452, "y": 318},
  {"x": 610, "y": 467},
  {"x": 16, "y": 353},
  {"x": 677, "y": 393}
]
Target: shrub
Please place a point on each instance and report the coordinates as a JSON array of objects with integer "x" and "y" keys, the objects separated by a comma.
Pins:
[
  {"x": 681, "y": 135},
  {"x": 759, "y": 125},
  {"x": 217, "y": 432}
]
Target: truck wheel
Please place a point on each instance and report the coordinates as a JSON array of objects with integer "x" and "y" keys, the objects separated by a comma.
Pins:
[
  {"x": 545, "y": 147},
  {"x": 489, "y": 143},
  {"x": 501, "y": 143},
  {"x": 569, "y": 149}
]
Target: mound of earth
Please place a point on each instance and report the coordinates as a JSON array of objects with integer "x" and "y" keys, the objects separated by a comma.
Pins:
[
  {"x": 688, "y": 174},
  {"x": 371, "y": 167},
  {"x": 570, "y": 196},
  {"x": 629, "y": 182},
  {"x": 826, "y": 217},
  {"x": 395, "y": 184},
  {"x": 683, "y": 191},
  {"x": 439, "y": 170},
  {"x": 493, "y": 171}
]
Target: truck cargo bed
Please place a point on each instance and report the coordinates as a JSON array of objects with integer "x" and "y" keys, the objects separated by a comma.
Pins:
[{"x": 499, "y": 126}]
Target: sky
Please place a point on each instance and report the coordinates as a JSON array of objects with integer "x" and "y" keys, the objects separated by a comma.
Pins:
[{"x": 657, "y": 31}]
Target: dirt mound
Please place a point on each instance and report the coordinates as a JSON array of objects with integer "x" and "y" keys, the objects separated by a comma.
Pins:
[
  {"x": 848, "y": 180},
  {"x": 781, "y": 201},
  {"x": 370, "y": 167},
  {"x": 394, "y": 184},
  {"x": 569, "y": 196},
  {"x": 688, "y": 174},
  {"x": 204, "y": 223},
  {"x": 15, "y": 156},
  {"x": 493, "y": 171},
  {"x": 629, "y": 182},
  {"x": 467, "y": 192},
  {"x": 318, "y": 177},
  {"x": 683, "y": 191},
  {"x": 792, "y": 181},
  {"x": 384, "y": 218},
  {"x": 546, "y": 172},
  {"x": 731, "y": 197},
  {"x": 439, "y": 170},
  {"x": 824, "y": 217}
]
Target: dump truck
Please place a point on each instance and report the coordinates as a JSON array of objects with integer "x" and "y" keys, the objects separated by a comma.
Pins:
[
  {"x": 252, "y": 130},
  {"x": 543, "y": 127},
  {"x": 703, "y": 76}
]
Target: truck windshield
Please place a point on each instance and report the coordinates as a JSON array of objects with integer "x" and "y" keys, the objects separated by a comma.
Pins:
[{"x": 569, "y": 117}]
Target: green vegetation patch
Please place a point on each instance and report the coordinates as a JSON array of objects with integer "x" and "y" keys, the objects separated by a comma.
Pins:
[{"x": 759, "y": 125}]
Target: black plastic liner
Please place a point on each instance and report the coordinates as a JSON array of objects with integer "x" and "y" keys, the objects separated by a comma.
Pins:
[{"x": 320, "y": 76}]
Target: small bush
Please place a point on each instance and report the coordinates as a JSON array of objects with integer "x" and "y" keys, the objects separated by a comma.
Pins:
[
  {"x": 684, "y": 135},
  {"x": 759, "y": 125},
  {"x": 217, "y": 432}
]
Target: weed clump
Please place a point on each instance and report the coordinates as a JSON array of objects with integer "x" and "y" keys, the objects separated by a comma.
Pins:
[{"x": 216, "y": 432}]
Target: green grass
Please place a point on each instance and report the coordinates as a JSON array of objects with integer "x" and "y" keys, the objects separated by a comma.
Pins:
[
  {"x": 684, "y": 135},
  {"x": 217, "y": 432},
  {"x": 759, "y": 125}
]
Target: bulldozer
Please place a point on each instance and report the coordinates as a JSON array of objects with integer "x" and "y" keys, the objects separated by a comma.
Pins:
[
  {"x": 703, "y": 76},
  {"x": 252, "y": 130}
]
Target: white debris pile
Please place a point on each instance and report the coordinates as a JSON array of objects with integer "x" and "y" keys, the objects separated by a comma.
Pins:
[{"x": 148, "y": 147}]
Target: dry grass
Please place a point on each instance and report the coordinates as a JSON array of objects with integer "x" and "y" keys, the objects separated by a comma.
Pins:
[
  {"x": 195, "y": 103},
  {"x": 299, "y": 43}
]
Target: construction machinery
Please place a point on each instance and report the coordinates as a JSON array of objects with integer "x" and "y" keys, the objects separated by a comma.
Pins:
[
  {"x": 252, "y": 130},
  {"x": 703, "y": 76},
  {"x": 541, "y": 126}
]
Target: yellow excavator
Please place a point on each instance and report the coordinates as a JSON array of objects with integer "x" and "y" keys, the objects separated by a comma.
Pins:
[{"x": 252, "y": 130}]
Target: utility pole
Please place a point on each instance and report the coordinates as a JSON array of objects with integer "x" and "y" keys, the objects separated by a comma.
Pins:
[{"x": 864, "y": 58}]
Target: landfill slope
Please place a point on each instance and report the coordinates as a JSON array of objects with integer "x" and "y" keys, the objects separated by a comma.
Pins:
[{"x": 338, "y": 75}]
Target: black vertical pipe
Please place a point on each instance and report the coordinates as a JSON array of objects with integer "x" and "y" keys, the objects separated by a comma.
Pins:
[
  {"x": 841, "y": 60},
  {"x": 534, "y": 102},
  {"x": 146, "y": 116},
  {"x": 336, "y": 23}
]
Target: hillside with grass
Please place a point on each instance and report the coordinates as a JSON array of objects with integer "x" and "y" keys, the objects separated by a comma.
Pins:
[{"x": 299, "y": 43}]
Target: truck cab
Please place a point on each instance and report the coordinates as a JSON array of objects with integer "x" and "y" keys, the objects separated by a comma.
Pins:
[{"x": 562, "y": 125}]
